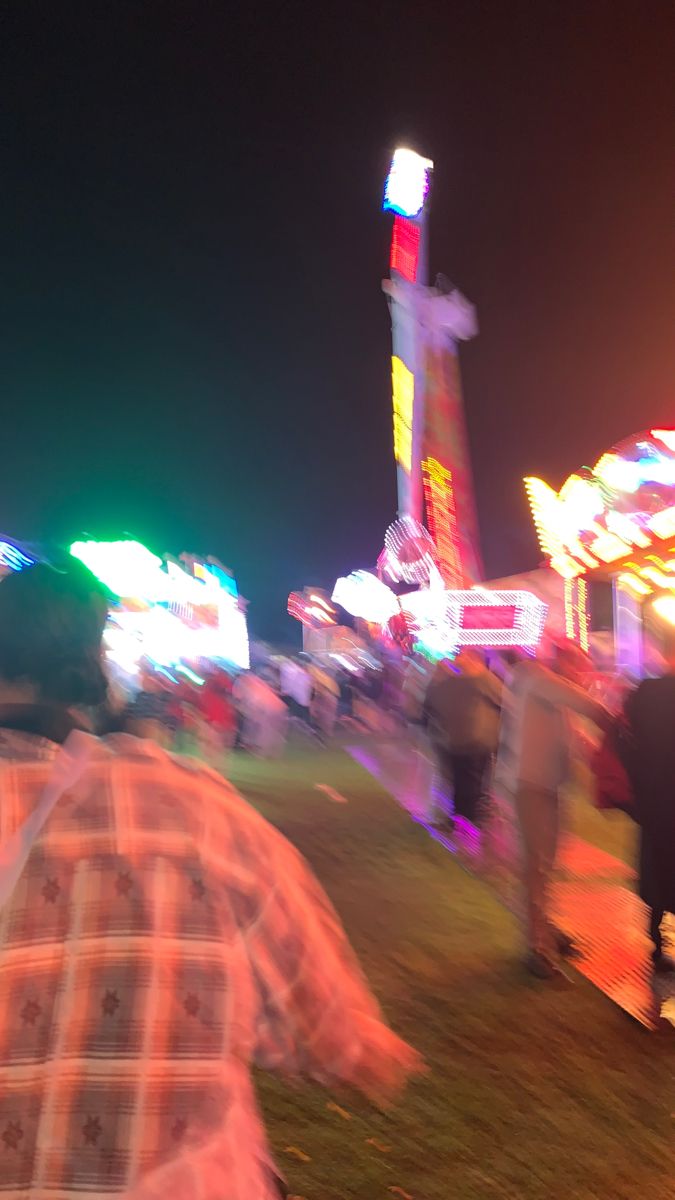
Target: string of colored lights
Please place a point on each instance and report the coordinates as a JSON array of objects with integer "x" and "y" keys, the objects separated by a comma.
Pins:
[
  {"x": 569, "y": 609},
  {"x": 583, "y": 615},
  {"x": 440, "y": 505}
]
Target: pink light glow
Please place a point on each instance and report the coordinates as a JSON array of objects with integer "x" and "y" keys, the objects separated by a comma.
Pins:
[{"x": 523, "y": 614}]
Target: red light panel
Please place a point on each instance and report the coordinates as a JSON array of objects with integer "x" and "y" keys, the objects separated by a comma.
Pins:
[
  {"x": 405, "y": 248},
  {"x": 502, "y": 616}
]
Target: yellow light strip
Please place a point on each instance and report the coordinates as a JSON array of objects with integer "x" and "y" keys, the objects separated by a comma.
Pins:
[{"x": 403, "y": 392}]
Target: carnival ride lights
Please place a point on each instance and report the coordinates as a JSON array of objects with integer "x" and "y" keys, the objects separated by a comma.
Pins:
[
  {"x": 407, "y": 183},
  {"x": 443, "y": 620},
  {"x": 366, "y": 597},
  {"x": 311, "y": 609},
  {"x": 167, "y": 612},
  {"x": 664, "y": 607},
  {"x": 409, "y": 554},
  {"x": 505, "y": 618},
  {"x": 433, "y": 470},
  {"x": 439, "y": 500},
  {"x": 618, "y": 519},
  {"x": 13, "y": 559},
  {"x": 403, "y": 392},
  {"x": 405, "y": 249},
  {"x": 600, "y": 516}
]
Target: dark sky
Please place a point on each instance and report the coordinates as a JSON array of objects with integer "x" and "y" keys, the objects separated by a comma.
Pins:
[{"x": 194, "y": 343}]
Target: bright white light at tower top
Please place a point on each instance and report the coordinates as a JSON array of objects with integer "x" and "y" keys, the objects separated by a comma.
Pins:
[{"x": 407, "y": 183}]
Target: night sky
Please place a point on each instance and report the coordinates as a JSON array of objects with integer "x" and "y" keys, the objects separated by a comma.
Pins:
[{"x": 195, "y": 347}]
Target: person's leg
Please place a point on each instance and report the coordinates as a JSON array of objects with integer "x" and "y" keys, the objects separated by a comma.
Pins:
[
  {"x": 442, "y": 787},
  {"x": 483, "y": 767},
  {"x": 469, "y": 771},
  {"x": 537, "y": 818},
  {"x": 558, "y": 941},
  {"x": 461, "y": 785}
]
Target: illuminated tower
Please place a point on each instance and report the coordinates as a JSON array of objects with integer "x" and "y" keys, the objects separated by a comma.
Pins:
[{"x": 430, "y": 443}]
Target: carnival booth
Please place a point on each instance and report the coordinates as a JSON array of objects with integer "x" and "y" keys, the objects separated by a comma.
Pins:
[
  {"x": 172, "y": 613},
  {"x": 166, "y": 612}
]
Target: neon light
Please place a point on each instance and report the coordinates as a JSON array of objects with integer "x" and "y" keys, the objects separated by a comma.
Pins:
[
  {"x": 13, "y": 558},
  {"x": 634, "y": 584},
  {"x": 608, "y": 547},
  {"x": 440, "y": 504},
  {"x": 126, "y": 568},
  {"x": 182, "y": 670},
  {"x": 667, "y": 436},
  {"x": 409, "y": 554},
  {"x": 407, "y": 183},
  {"x": 627, "y": 529},
  {"x": 529, "y": 617},
  {"x": 664, "y": 606},
  {"x": 583, "y": 615},
  {"x": 657, "y": 577},
  {"x": 405, "y": 248},
  {"x": 364, "y": 595},
  {"x": 311, "y": 609},
  {"x": 600, "y": 515},
  {"x": 403, "y": 391},
  {"x": 569, "y": 609},
  {"x": 186, "y": 616},
  {"x": 425, "y": 612},
  {"x": 625, "y": 475},
  {"x": 663, "y": 523}
]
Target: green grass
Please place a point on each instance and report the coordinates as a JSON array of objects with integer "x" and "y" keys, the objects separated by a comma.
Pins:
[{"x": 532, "y": 1093}]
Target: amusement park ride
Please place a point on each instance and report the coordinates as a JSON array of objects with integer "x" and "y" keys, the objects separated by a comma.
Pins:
[
  {"x": 426, "y": 591},
  {"x": 612, "y": 524}
]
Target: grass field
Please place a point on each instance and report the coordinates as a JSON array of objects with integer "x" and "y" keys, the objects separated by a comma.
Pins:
[{"x": 532, "y": 1093}]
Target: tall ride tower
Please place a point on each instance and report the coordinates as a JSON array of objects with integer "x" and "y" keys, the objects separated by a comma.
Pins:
[{"x": 435, "y": 485}]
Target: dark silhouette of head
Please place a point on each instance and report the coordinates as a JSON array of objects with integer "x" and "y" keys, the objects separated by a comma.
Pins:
[{"x": 51, "y": 626}]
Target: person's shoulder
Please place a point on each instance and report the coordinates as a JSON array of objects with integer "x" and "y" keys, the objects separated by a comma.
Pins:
[
  {"x": 206, "y": 795},
  {"x": 124, "y": 752}
]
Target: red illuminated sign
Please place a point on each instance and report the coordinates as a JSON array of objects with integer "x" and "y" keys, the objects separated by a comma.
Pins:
[
  {"x": 489, "y": 616},
  {"x": 405, "y": 248}
]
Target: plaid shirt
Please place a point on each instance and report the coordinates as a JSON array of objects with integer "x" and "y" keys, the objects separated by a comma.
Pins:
[{"x": 161, "y": 938}]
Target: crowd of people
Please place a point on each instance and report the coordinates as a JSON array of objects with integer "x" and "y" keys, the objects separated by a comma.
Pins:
[
  {"x": 158, "y": 938},
  {"x": 219, "y": 710},
  {"x": 511, "y": 739}
]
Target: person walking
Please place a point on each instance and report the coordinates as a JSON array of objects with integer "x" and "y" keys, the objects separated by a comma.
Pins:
[
  {"x": 650, "y": 713},
  {"x": 157, "y": 939},
  {"x": 217, "y": 725},
  {"x": 462, "y": 708},
  {"x": 534, "y": 762}
]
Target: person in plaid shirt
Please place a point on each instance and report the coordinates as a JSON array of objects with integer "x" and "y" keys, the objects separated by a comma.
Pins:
[{"x": 160, "y": 939}]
